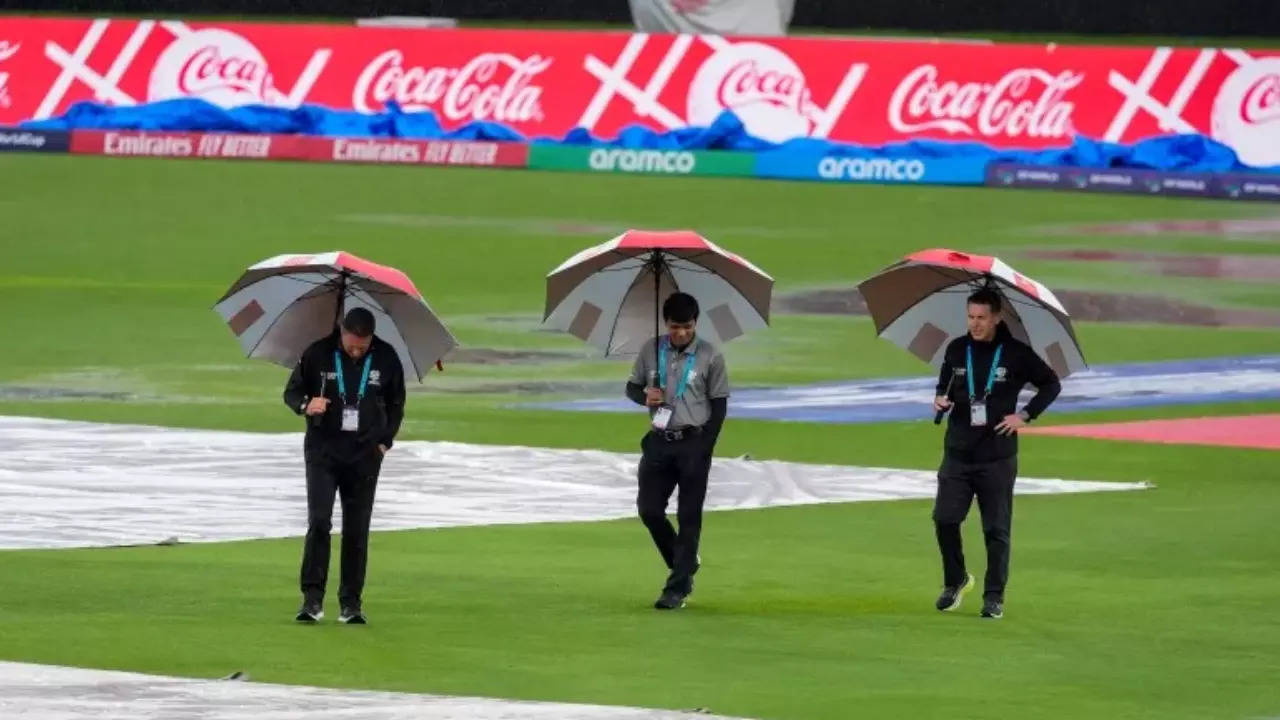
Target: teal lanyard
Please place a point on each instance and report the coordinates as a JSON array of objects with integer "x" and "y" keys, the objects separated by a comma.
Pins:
[
  {"x": 991, "y": 375},
  {"x": 688, "y": 368},
  {"x": 342, "y": 382}
]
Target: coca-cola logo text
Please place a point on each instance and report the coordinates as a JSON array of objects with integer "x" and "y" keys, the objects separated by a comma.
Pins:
[
  {"x": 208, "y": 69},
  {"x": 1246, "y": 110},
  {"x": 7, "y": 50},
  {"x": 1261, "y": 101},
  {"x": 1024, "y": 102},
  {"x": 492, "y": 86},
  {"x": 747, "y": 81}
]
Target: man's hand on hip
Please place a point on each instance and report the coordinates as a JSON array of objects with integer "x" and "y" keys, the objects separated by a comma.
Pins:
[{"x": 1011, "y": 424}]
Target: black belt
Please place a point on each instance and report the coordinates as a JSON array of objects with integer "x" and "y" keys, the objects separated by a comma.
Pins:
[{"x": 677, "y": 435}]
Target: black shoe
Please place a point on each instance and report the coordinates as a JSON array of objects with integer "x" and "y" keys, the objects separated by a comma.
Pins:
[
  {"x": 310, "y": 612},
  {"x": 953, "y": 595},
  {"x": 352, "y": 616},
  {"x": 993, "y": 609},
  {"x": 670, "y": 600}
]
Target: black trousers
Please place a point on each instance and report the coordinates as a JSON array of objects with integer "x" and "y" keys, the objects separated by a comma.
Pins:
[
  {"x": 992, "y": 483},
  {"x": 354, "y": 482},
  {"x": 665, "y": 466}
]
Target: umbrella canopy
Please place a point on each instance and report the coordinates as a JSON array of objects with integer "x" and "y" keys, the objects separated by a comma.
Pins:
[
  {"x": 281, "y": 305},
  {"x": 918, "y": 304},
  {"x": 610, "y": 295}
]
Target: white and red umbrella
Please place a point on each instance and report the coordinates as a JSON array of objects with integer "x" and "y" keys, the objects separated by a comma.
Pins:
[
  {"x": 918, "y": 304},
  {"x": 610, "y": 295},
  {"x": 283, "y": 304}
]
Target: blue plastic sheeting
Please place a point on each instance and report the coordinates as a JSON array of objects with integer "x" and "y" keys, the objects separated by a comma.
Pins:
[
  {"x": 1158, "y": 384},
  {"x": 726, "y": 133},
  {"x": 1194, "y": 153},
  {"x": 192, "y": 115}
]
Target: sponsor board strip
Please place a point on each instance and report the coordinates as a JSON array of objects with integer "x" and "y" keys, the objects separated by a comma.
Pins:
[
  {"x": 784, "y": 165},
  {"x": 627, "y": 160},
  {"x": 253, "y": 146},
  {"x": 1232, "y": 186},
  {"x": 16, "y": 140},
  {"x": 776, "y": 164}
]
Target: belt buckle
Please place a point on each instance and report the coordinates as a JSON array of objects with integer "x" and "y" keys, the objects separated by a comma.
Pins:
[{"x": 672, "y": 435}]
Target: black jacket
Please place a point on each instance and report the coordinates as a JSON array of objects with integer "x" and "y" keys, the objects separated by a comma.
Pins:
[
  {"x": 1021, "y": 367},
  {"x": 381, "y": 410}
]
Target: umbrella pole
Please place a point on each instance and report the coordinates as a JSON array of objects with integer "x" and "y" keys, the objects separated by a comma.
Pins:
[
  {"x": 657, "y": 292},
  {"x": 342, "y": 295}
]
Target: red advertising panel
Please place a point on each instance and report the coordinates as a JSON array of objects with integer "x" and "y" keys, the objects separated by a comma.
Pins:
[{"x": 544, "y": 83}]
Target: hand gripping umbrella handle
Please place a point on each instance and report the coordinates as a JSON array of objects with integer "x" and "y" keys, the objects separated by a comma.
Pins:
[
  {"x": 317, "y": 419},
  {"x": 937, "y": 418}
]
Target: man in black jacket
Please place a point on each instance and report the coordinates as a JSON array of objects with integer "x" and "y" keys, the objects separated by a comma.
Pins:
[
  {"x": 350, "y": 385},
  {"x": 682, "y": 380},
  {"x": 982, "y": 374}
]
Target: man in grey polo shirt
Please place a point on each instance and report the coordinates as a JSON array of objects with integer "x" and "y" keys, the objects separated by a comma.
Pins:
[{"x": 682, "y": 380}]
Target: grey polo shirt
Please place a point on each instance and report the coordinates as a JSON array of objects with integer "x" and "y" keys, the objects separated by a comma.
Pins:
[{"x": 710, "y": 380}]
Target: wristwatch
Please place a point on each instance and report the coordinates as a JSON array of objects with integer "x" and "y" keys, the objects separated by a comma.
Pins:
[{"x": 1026, "y": 416}]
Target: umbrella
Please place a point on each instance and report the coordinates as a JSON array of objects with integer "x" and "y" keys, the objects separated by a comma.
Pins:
[
  {"x": 918, "y": 304},
  {"x": 610, "y": 295},
  {"x": 281, "y": 305}
]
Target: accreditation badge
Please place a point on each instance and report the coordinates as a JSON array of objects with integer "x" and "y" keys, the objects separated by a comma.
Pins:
[
  {"x": 350, "y": 418},
  {"x": 662, "y": 417},
  {"x": 978, "y": 414}
]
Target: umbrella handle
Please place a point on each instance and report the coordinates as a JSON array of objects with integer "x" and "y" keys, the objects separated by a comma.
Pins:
[
  {"x": 937, "y": 418},
  {"x": 317, "y": 419}
]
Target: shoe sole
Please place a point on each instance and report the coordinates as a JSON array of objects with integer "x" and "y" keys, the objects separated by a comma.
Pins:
[
  {"x": 308, "y": 619},
  {"x": 989, "y": 616},
  {"x": 968, "y": 583},
  {"x": 353, "y": 621}
]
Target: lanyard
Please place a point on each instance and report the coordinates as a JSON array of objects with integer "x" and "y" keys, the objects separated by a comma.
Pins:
[
  {"x": 991, "y": 375},
  {"x": 342, "y": 383},
  {"x": 688, "y": 368}
]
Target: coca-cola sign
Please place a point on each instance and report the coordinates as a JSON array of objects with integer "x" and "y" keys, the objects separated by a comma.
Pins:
[
  {"x": 1262, "y": 101},
  {"x": 548, "y": 83},
  {"x": 765, "y": 87},
  {"x": 208, "y": 70},
  {"x": 7, "y": 50},
  {"x": 216, "y": 65},
  {"x": 1024, "y": 102},
  {"x": 491, "y": 86},
  {"x": 748, "y": 81},
  {"x": 1246, "y": 113}
]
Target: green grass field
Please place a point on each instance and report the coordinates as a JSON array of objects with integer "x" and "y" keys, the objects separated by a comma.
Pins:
[{"x": 1151, "y": 604}]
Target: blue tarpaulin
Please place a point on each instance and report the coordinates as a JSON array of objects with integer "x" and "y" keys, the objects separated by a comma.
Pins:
[{"x": 1191, "y": 152}]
